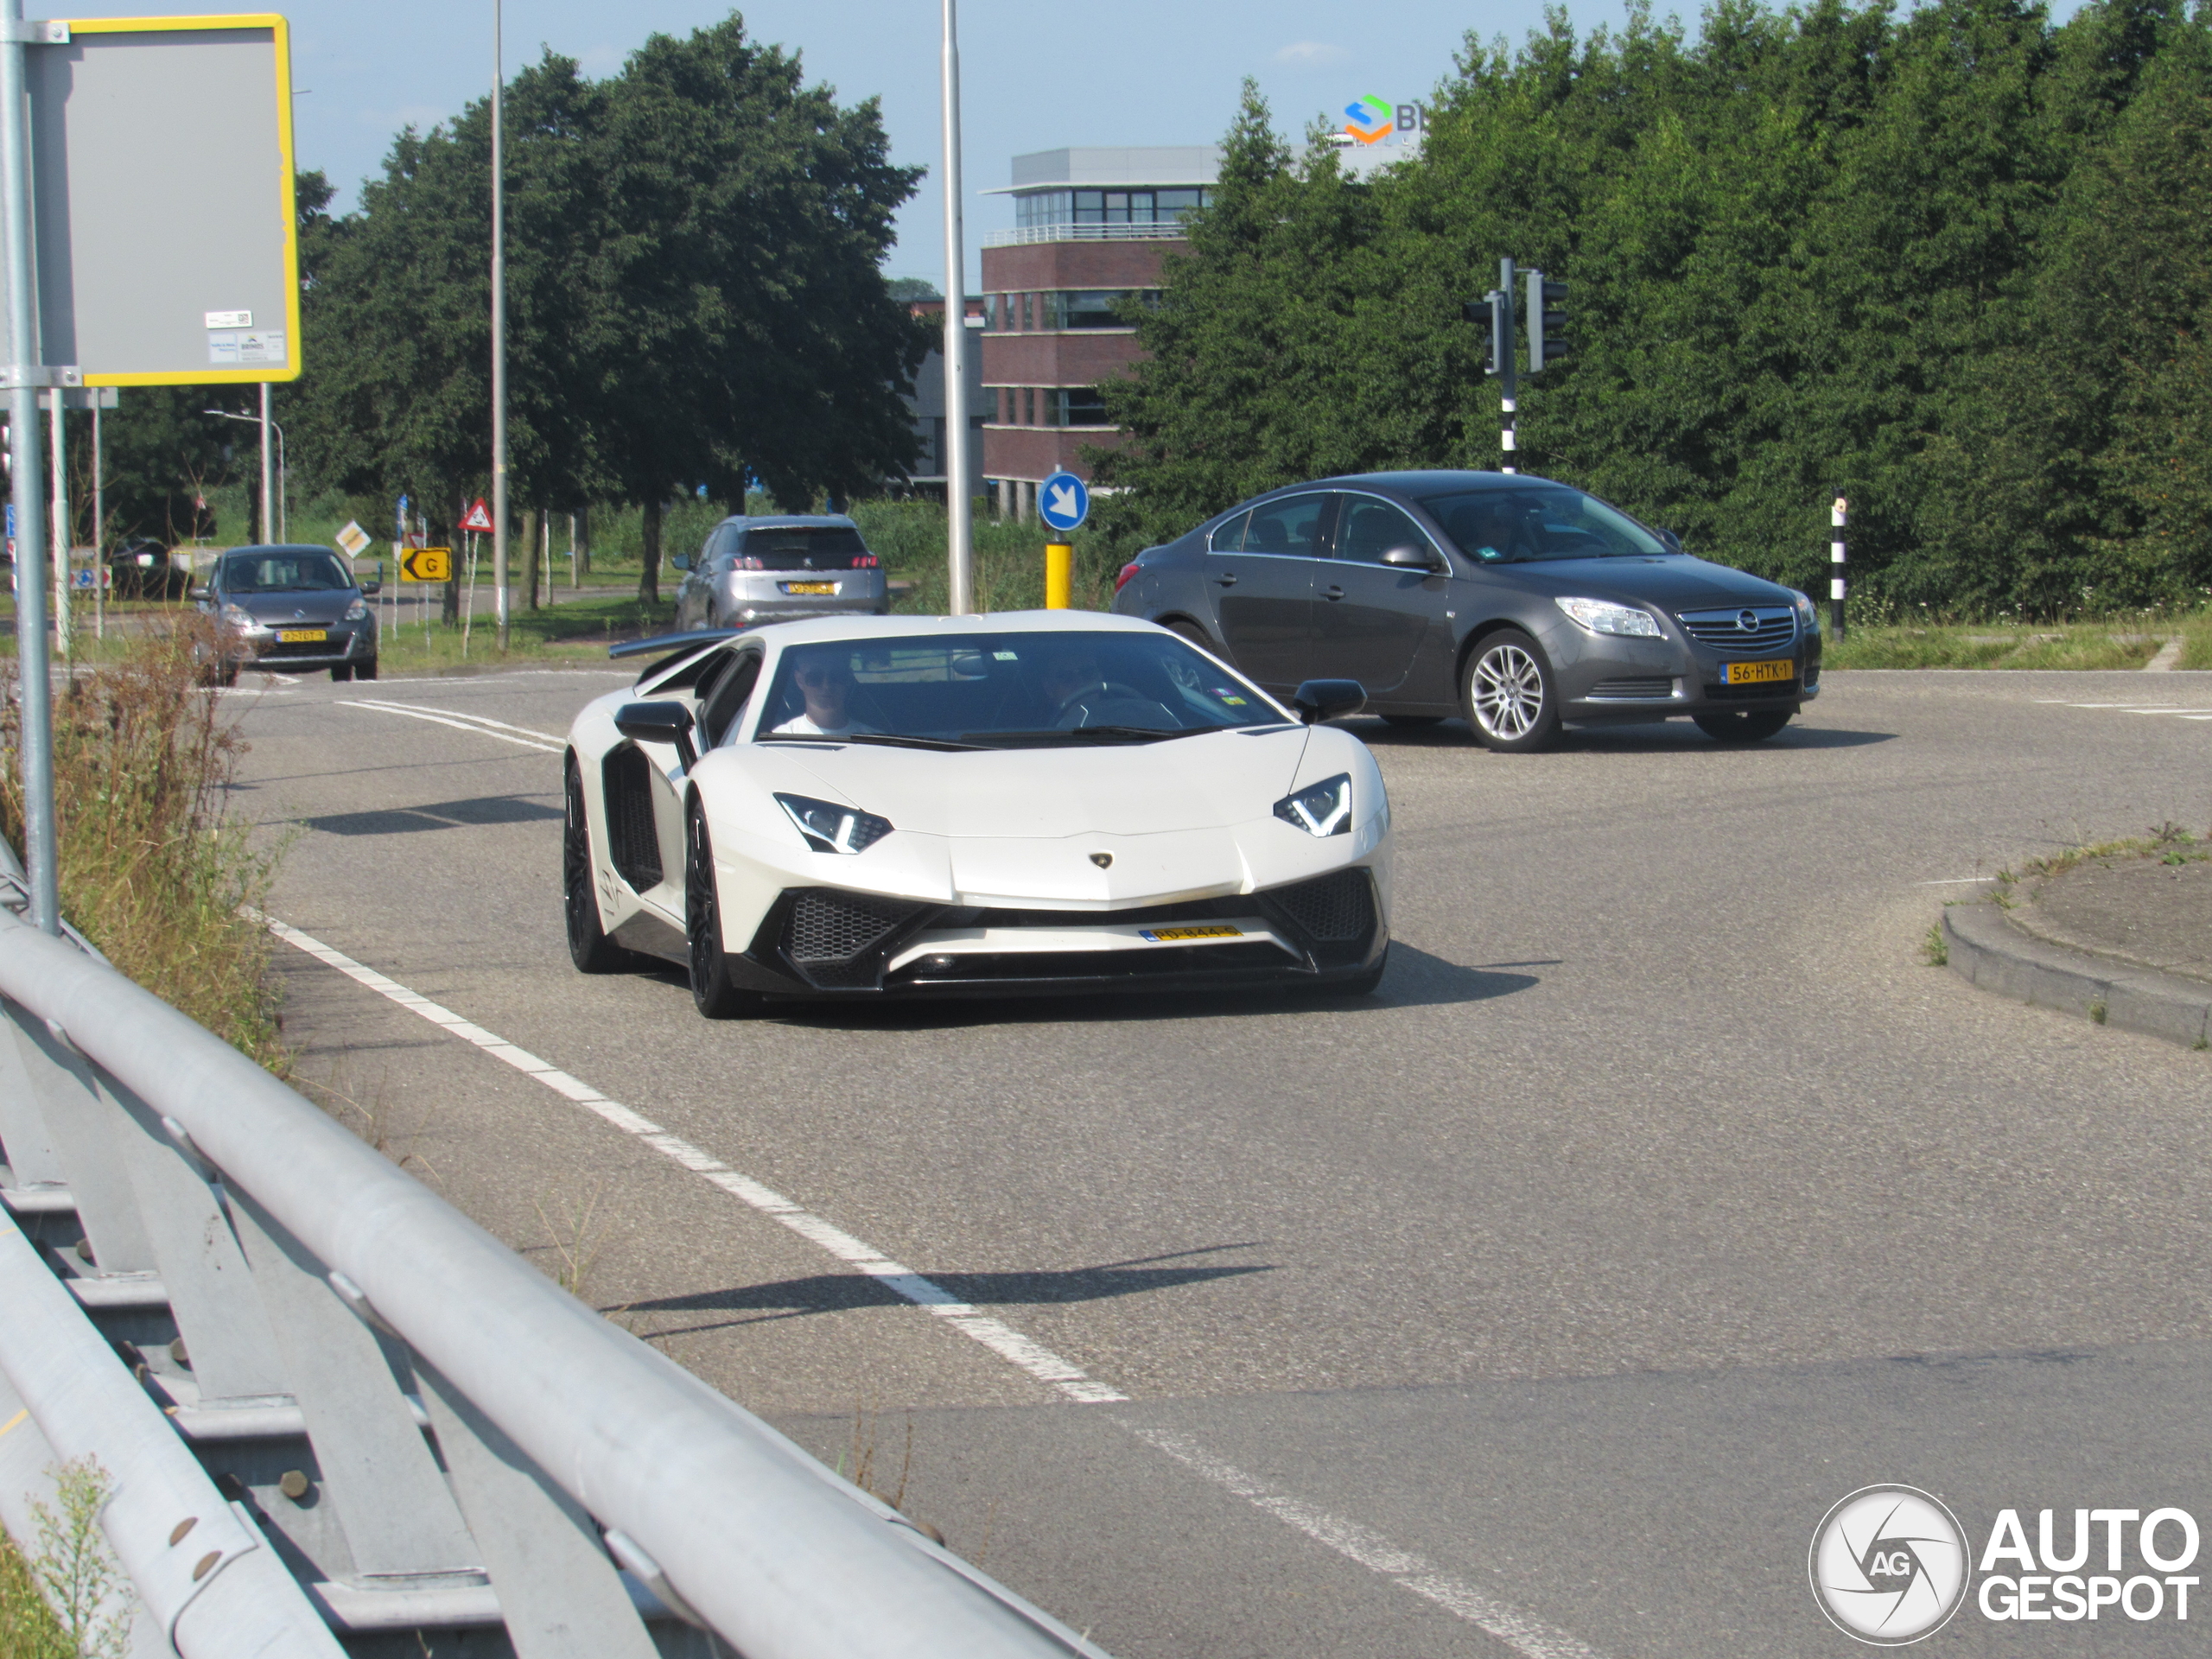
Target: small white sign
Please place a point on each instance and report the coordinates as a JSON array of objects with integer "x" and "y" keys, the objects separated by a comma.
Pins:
[
  {"x": 229, "y": 319},
  {"x": 354, "y": 539},
  {"x": 242, "y": 349}
]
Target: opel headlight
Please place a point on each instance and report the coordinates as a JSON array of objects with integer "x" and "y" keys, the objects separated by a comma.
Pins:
[
  {"x": 1322, "y": 809},
  {"x": 830, "y": 828},
  {"x": 1602, "y": 616},
  {"x": 1808, "y": 614},
  {"x": 358, "y": 610},
  {"x": 238, "y": 616}
]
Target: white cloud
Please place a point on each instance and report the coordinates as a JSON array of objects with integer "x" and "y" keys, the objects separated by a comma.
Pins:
[{"x": 1311, "y": 52}]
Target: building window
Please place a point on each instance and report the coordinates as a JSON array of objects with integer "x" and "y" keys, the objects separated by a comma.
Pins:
[
  {"x": 1045, "y": 207},
  {"x": 1132, "y": 207},
  {"x": 1074, "y": 406},
  {"x": 1029, "y": 311},
  {"x": 990, "y": 312},
  {"x": 1029, "y": 406}
]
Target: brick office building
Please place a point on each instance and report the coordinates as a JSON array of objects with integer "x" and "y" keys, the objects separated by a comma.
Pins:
[{"x": 1090, "y": 227}]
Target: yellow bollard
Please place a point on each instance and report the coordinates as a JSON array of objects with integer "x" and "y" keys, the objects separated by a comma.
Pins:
[{"x": 1059, "y": 575}]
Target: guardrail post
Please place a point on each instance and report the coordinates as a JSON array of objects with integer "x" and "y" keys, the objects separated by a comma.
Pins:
[
  {"x": 32, "y": 1161},
  {"x": 393, "y": 1505},
  {"x": 61, "y": 1087},
  {"x": 560, "y": 1595}
]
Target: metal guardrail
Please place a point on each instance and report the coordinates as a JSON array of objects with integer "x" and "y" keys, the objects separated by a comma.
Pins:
[{"x": 375, "y": 1415}]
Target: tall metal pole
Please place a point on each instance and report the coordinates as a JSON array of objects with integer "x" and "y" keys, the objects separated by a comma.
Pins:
[
  {"x": 1508, "y": 372},
  {"x": 58, "y": 521},
  {"x": 960, "y": 551},
  {"x": 100, "y": 565},
  {"x": 498, "y": 333},
  {"x": 36, "y": 747},
  {"x": 268, "y": 472}
]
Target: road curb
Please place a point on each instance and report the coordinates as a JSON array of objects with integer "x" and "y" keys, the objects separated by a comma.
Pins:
[{"x": 1987, "y": 951}]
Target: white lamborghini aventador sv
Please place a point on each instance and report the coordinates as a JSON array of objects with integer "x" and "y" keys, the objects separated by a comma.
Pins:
[{"x": 1051, "y": 801}]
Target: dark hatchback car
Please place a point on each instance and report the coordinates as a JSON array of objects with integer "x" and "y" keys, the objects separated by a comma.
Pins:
[
  {"x": 1518, "y": 602},
  {"x": 291, "y": 607}
]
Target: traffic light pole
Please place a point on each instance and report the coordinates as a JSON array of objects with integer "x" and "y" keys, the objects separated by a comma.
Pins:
[
  {"x": 26, "y": 468},
  {"x": 1502, "y": 334}
]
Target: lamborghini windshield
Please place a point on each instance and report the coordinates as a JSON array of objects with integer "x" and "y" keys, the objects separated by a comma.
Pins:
[{"x": 1004, "y": 690}]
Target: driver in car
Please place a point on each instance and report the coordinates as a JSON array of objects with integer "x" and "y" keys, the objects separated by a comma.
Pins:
[
  {"x": 1073, "y": 682},
  {"x": 824, "y": 678}
]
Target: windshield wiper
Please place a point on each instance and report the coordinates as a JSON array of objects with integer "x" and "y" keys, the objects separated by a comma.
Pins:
[
  {"x": 885, "y": 739},
  {"x": 1094, "y": 734}
]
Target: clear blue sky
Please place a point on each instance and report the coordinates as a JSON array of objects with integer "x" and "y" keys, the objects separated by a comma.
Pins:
[{"x": 1033, "y": 77}]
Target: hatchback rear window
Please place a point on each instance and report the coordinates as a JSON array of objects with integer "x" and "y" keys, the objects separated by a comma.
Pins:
[{"x": 802, "y": 547}]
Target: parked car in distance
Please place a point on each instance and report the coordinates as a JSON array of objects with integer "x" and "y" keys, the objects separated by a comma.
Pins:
[
  {"x": 291, "y": 607},
  {"x": 1521, "y": 603},
  {"x": 780, "y": 570},
  {"x": 140, "y": 568}
]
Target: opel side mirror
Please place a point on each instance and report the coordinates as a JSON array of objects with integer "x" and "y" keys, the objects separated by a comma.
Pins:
[
  {"x": 659, "y": 723},
  {"x": 1414, "y": 558},
  {"x": 1319, "y": 700},
  {"x": 680, "y": 561},
  {"x": 1674, "y": 542}
]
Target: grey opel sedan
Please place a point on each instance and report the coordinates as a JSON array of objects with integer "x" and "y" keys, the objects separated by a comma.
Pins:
[
  {"x": 761, "y": 569},
  {"x": 291, "y": 607},
  {"x": 1521, "y": 603}
]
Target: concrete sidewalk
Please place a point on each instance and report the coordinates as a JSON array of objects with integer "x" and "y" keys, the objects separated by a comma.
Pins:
[{"x": 2122, "y": 941}]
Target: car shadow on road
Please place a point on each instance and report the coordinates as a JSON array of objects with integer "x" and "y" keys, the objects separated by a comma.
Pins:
[
  {"x": 835, "y": 1292},
  {"x": 438, "y": 815},
  {"x": 1414, "y": 979},
  {"x": 1663, "y": 736}
]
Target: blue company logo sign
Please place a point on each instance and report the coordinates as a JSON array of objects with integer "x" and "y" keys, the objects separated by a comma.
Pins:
[
  {"x": 1891, "y": 1565},
  {"x": 1063, "y": 502}
]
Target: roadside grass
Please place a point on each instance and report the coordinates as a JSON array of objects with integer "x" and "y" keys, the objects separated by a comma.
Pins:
[
  {"x": 28, "y": 1629},
  {"x": 576, "y": 630},
  {"x": 2070, "y": 646},
  {"x": 2167, "y": 843},
  {"x": 54, "y": 1604},
  {"x": 151, "y": 870}
]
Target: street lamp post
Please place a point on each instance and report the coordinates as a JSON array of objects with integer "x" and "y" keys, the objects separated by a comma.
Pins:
[
  {"x": 281, "y": 525},
  {"x": 960, "y": 568},
  {"x": 499, "y": 335}
]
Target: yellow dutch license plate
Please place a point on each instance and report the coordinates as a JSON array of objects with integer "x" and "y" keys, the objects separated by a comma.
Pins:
[
  {"x": 1759, "y": 673},
  {"x": 303, "y": 636},
  {"x": 809, "y": 587},
  {"x": 1211, "y": 931}
]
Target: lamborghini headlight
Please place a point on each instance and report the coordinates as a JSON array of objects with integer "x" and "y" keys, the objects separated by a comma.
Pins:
[
  {"x": 1602, "y": 616},
  {"x": 1322, "y": 809},
  {"x": 830, "y": 828}
]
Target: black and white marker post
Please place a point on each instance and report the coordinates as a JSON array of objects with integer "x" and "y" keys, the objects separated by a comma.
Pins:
[
  {"x": 1505, "y": 356},
  {"x": 1836, "y": 517}
]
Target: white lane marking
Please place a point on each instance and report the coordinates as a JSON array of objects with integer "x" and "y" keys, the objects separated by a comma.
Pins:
[
  {"x": 455, "y": 714},
  {"x": 1954, "y": 882},
  {"x": 444, "y": 719},
  {"x": 999, "y": 1338},
  {"x": 1376, "y": 1553}
]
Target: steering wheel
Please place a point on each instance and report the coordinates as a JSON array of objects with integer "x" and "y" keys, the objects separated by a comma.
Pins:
[{"x": 1074, "y": 709}]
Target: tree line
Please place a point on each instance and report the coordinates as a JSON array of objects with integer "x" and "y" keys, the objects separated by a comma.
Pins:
[
  {"x": 694, "y": 298},
  {"x": 1955, "y": 265}
]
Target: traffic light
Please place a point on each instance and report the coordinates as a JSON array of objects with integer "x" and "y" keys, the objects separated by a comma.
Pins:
[
  {"x": 1489, "y": 312},
  {"x": 1547, "y": 321}
]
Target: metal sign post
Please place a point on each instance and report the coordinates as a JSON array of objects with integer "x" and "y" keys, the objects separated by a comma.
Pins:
[
  {"x": 499, "y": 335},
  {"x": 22, "y": 377}
]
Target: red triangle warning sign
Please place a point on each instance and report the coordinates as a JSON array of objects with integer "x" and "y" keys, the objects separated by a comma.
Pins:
[{"x": 477, "y": 517}]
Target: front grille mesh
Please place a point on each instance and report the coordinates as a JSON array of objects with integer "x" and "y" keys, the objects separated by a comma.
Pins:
[
  {"x": 334, "y": 646},
  {"x": 1331, "y": 909},
  {"x": 1751, "y": 693},
  {"x": 830, "y": 936},
  {"x": 1652, "y": 688},
  {"x": 1775, "y": 629}
]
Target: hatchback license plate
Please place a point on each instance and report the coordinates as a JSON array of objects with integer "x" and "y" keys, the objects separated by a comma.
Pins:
[
  {"x": 809, "y": 587},
  {"x": 303, "y": 636},
  {"x": 1756, "y": 673},
  {"x": 1171, "y": 935}
]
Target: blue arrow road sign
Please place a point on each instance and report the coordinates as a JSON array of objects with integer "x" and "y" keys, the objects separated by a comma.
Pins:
[{"x": 1062, "y": 502}]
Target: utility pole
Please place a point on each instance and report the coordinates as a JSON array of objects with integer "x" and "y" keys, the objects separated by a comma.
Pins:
[
  {"x": 500, "y": 332},
  {"x": 59, "y": 454},
  {"x": 959, "y": 552},
  {"x": 22, "y": 375}
]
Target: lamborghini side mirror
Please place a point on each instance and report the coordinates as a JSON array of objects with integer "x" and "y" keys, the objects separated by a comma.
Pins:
[
  {"x": 659, "y": 723},
  {"x": 1319, "y": 700}
]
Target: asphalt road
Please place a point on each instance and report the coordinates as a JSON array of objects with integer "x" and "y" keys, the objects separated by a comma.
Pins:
[{"x": 1542, "y": 1303}]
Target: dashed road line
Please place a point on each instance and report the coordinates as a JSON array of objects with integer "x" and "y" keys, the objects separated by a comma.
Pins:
[
  {"x": 1409, "y": 1571},
  {"x": 480, "y": 724}
]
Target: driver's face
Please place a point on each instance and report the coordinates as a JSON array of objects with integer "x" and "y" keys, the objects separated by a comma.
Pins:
[
  {"x": 823, "y": 682},
  {"x": 1066, "y": 676}
]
